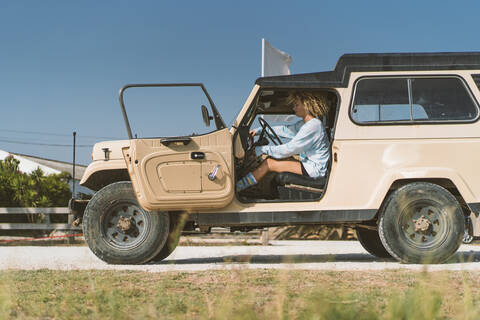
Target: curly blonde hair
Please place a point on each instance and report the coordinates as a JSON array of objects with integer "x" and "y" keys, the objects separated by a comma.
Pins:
[{"x": 315, "y": 104}]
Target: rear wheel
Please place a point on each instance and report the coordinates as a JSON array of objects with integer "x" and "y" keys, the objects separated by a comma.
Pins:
[
  {"x": 119, "y": 231},
  {"x": 421, "y": 223},
  {"x": 370, "y": 241}
]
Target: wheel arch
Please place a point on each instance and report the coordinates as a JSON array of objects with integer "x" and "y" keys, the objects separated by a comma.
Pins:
[
  {"x": 98, "y": 179},
  {"x": 442, "y": 182}
]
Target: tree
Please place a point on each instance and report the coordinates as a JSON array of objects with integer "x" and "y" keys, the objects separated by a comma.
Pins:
[{"x": 19, "y": 189}]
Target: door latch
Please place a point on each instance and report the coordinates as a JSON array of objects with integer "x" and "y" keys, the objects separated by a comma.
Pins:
[
  {"x": 197, "y": 155},
  {"x": 212, "y": 175}
]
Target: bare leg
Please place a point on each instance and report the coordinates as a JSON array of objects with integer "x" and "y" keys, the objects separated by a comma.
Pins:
[{"x": 272, "y": 165}]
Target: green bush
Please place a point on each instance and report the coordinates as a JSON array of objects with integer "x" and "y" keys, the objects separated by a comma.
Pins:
[{"x": 19, "y": 189}]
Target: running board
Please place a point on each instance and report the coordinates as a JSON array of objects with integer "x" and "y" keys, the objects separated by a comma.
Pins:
[{"x": 282, "y": 218}]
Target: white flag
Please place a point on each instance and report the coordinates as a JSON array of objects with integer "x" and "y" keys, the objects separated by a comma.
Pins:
[{"x": 274, "y": 61}]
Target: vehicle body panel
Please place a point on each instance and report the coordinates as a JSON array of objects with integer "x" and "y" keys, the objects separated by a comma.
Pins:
[
  {"x": 100, "y": 165},
  {"x": 106, "y": 157},
  {"x": 167, "y": 177},
  {"x": 380, "y": 154}
]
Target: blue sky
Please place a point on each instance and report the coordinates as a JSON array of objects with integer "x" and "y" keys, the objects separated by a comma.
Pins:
[{"x": 63, "y": 62}]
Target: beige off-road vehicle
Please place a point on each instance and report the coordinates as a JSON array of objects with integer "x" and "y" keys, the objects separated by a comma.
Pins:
[{"x": 405, "y": 146}]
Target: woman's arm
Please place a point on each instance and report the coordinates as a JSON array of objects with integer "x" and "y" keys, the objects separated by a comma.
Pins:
[
  {"x": 285, "y": 131},
  {"x": 302, "y": 141}
]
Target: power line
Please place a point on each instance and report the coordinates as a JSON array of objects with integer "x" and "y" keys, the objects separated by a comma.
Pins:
[
  {"x": 46, "y": 144},
  {"x": 57, "y": 134}
]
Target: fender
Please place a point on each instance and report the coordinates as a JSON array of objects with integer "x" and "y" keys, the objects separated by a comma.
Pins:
[
  {"x": 420, "y": 173},
  {"x": 100, "y": 173}
]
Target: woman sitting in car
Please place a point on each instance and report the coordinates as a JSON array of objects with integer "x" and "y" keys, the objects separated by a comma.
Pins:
[{"x": 308, "y": 137}]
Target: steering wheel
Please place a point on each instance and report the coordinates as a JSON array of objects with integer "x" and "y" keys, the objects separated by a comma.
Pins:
[{"x": 269, "y": 132}]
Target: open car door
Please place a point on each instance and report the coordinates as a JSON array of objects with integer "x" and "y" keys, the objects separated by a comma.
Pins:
[{"x": 182, "y": 173}]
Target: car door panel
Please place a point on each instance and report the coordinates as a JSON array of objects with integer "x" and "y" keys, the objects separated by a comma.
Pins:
[
  {"x": 169, "y": 177},
  {"x": 173, "y": 177}
]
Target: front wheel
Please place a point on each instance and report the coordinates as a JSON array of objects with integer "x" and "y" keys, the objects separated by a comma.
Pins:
[
  {"x": 421, "y": 222},
  {"x": 119, "y": 231}
]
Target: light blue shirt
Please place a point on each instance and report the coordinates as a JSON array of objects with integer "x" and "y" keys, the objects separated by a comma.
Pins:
[{"x": 308, "y": 140}]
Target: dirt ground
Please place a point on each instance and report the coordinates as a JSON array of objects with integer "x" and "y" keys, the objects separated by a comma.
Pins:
[{"x": 301, "y": 255}]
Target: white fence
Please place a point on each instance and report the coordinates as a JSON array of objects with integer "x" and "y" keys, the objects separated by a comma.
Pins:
[{"x": 46, "y": 225}]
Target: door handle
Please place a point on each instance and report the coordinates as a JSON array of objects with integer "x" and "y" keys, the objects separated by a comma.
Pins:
[
  {"x": 197, "y": 155},
  {"x": 169, "y": 140},
  {"x": 212, "y": 175}
]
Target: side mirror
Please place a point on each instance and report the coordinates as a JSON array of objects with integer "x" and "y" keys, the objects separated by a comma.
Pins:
[{"x": 206, "y": 116}]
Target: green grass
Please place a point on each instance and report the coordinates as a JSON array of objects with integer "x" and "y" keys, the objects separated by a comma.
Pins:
[{"x": 239, "y": 294}]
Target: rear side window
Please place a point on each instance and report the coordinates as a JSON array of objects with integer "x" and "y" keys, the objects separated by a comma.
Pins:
[
  {"x": 443, "y": 99},
  {"x": 412, "y": 100}
]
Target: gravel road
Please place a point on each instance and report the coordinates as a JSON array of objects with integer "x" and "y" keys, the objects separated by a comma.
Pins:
[{"x": 303, "y": 255}]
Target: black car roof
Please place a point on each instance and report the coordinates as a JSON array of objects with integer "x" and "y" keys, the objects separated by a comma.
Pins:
[{"x": 355, "y": 62}]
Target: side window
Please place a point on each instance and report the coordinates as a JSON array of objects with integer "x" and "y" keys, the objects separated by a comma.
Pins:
[
  {"x": 381, "y": 100},
  {"x": 412, "y": 99},
  {"x": 443, "y": 99},
  {"x": 166, "y": 111}
]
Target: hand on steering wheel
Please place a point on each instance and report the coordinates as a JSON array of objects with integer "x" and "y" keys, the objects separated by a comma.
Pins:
[{"x": 269, "y": 132}]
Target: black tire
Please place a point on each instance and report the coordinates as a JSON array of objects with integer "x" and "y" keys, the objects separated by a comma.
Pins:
[
  {"x": 139, "y": 241},
  {"x": 439, "y": 226},
  {"x": 177, "y": 222},
  {"x": 370, "y": 241}
]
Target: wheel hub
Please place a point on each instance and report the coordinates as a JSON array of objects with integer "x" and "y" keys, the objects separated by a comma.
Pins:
[
  {"x": 124, "y": 224},
  {"x": 422, "y": 224}
]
